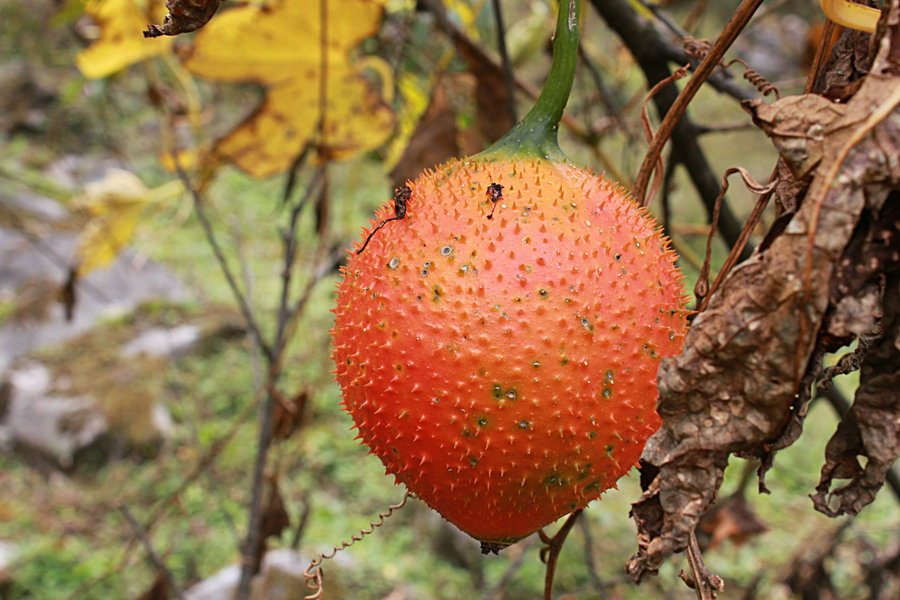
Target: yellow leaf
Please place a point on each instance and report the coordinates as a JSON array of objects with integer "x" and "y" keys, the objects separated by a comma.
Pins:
[
  {"x": 121, "y": 42},
  {"x": 115, "y": 204},
  {"x": 279, "y": 45}
]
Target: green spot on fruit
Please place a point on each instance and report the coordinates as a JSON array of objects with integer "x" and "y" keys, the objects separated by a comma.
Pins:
[
  {"x": 594, "y": 485},
  {"x": 554, "y": 479},
  {"x": 609, "y": 448},
  {"x": 473, "y": 461},
  {"x": 482, "y": 421},
  {"x": 606, "y": 392},
  {"x": 592, "y": 435}
]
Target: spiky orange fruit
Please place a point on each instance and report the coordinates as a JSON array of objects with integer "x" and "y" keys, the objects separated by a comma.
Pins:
[{"x": 504, "y": 369}]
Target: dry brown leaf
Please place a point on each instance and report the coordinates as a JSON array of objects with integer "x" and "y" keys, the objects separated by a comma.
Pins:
[
  {"x": 184, "y": 16},
  {"x": 435, "y": 137},
  {"x": 491, "y": 96},
  {"x": 871, "y": 429},
  {"x": 743, "y": 382}
]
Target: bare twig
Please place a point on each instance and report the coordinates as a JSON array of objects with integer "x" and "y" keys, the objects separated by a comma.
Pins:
[
  {"x": 246, "y": 311},
  {"x": 705, "y": 583},
  {"x": 550, "y": 552},
  {"x": 155, "y": 558}
]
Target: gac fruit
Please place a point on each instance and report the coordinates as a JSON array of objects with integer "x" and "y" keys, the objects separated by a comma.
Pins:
[{"x": 498, "y": 346}]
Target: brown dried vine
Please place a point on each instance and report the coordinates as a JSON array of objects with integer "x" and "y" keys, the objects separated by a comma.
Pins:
[
  {"x": 313, "y": 573},
  {"x": 737, "y": 23},
  {"x": 743, "y": 384}
]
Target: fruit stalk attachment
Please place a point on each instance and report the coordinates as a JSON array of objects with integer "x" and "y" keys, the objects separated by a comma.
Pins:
[{"x": 535, "y": 136}]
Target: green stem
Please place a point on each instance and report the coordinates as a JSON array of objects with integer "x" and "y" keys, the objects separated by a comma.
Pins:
[{"x": 535, "y": 136}]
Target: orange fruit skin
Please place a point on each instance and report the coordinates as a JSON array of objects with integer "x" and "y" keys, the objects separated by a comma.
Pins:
[{"x": 505, "y": 369}]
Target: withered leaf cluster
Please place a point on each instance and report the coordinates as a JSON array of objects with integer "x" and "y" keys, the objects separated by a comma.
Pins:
[{"x": 826, "y": 275}]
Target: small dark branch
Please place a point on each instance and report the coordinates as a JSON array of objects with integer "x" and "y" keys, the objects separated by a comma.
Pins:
[
  {"x": 254, "y": 530},
  {"x": 286, "y": 316},
  {"x": 589, "y": 555},
  {"x": 606, "y": 96},
  {"x": 704, "y": 583},
  {"x": 664, "y": 18},
  {"x": 155, "y": 558},
  {"x": 289, "y": 240},
  {"x": 504, "y": 59},
  {"x": 550, "y": 552},
  {"x": 820, "y": 57},
  {"x": 293, "y": 172},
  {"x": 246, "y": 312},
  {"x": 702, "y": 72}
]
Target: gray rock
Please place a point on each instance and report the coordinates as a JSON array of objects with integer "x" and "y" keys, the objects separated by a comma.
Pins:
[
  {"x": 55, "y": 426},
  {"x": 281, "y": 578},
  {"x": 160, "y": 341},
  {"x": 104, "y": 293}
]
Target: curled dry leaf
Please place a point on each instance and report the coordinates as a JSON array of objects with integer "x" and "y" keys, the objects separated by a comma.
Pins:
[
  {"x": 743, "y": 382},
  {"x": 184, "y": 16},
  {"x": 872, "y": 427}
]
